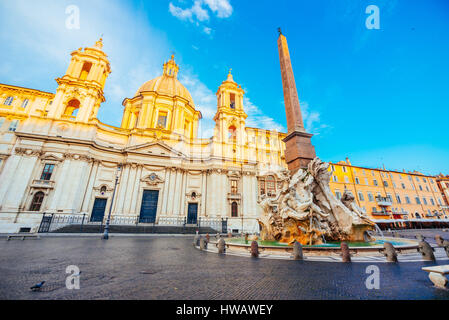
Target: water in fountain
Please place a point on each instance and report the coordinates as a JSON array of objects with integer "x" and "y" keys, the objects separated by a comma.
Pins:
[
  {"x": 379, "y": 231},
  {"x": 324, "y": 238}
]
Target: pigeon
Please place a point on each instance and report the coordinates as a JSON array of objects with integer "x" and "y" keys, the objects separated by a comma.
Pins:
[{"x": 38, "y": 286}]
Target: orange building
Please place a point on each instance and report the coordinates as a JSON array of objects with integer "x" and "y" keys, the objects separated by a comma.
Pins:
[{"x": 391, "y": 196}]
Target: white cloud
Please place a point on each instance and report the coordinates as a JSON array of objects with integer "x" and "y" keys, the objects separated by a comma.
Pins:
[
  {"x": 43, "y": 42},
  {"x": 222, "y": 8},
  {"x": 312, "y": 120},
  {"x": 199, "y": 11},
  {"x": 207, "y": 30},
  {"x": 204, "y": 99},
  {"x": 257, "y": 119}
]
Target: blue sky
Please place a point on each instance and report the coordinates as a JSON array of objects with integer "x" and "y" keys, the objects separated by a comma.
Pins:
[{"x": 379, "y": 97}]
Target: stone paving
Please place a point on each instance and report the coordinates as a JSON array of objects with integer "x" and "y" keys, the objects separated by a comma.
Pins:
[{"x": 171, "y": 268}]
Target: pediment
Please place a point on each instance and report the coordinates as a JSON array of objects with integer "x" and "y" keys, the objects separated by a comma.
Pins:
[
  {"x": 155, "y": 148},
  {"x": 51, "y": 157}
]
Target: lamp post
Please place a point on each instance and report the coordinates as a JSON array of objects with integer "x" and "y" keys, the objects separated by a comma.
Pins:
[{"x": 106, "y": 228}]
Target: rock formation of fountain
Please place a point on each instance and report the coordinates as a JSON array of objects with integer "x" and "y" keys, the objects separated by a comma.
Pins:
[{"x": 305, "y": 210}]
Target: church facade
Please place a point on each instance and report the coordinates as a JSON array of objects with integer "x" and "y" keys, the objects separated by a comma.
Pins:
[{"x": 57, "y": 157}]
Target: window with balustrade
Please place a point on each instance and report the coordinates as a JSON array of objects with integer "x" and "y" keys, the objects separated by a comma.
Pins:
[
  {"x": 47, "y": 172},
  {"x": 234, "y": 187}
]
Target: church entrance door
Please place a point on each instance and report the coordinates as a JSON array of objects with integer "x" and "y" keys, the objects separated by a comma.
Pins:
[
  {"x": 192, "y": 214},
  {"x": 149, "y": 206}
]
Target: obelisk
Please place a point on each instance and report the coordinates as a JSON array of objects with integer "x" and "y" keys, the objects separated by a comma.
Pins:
[{"x": 299, "y": 149}]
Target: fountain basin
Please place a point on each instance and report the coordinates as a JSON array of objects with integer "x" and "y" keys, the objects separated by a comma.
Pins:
[{"x": 333, "y": 248}]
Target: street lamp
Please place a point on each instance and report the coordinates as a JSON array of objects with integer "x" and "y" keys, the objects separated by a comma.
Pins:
[{"x": 106, "y": 228}]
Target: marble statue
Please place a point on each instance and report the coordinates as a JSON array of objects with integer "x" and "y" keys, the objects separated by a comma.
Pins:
[{"x": 306, "y": 210}]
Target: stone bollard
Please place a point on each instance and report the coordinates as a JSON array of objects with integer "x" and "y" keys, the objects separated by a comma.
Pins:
[
  {"x": 203, "y": 244},
  {"x": 297, "y": 251},
  {"x": 426, "y": 251},
  {"x": 196, "y": 240},
  {"x": 207, "y": 237},
  {"x": 446, "y": 247},
  {"x": 221, "y": 245},
  {"x": 390, "y": 252},
  {"x": 254, "y": 249},
  {"x": 345, "y": 254},
  {"x": 439, "y": 240}
]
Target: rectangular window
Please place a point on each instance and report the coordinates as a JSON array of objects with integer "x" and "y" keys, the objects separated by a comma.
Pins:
[
  {"x": 2, "y": 120},
  {"x": 234, "y": 187},
  {"x": 403, "y": 186},
  {"x": 375, "y": 182},
  {"x": 357, "y": 181},
  {"x": 25, "y": 103},
  {"x": 398, "y": 198},
  {"x": 385, "y": 184},
  {"x": 366, "y": 181},
  {"x": 417, "y": 200},
  {"x": 13, "y": 126},
  {"x": 344, "y": 169},
  {"x": 425, "y": 201},
  {"x": 346, "y": 179},
  {"x": 338, "y": 195},
  {"x": 370, "y": 197},
  {"x": 407, "y": 199},
  {"x": 432, "y": 201},
  {"x": 47, "y": 172},
  {"x": 335, "y": 178},
  {"x": 162, "y": 120},
  {"x": 361, "y": 197}
]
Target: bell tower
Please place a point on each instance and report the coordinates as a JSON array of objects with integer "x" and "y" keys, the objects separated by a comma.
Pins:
[
  {"x": 80, "y": 91},
  {"x": 230, "y": 117}
]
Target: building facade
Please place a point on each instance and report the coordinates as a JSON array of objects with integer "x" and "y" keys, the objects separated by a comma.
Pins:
[
  {"x": 390, "y": 195},
  {"x": 57, "y": 157}
]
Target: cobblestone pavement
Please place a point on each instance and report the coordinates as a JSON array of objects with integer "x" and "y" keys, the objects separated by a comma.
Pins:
[{"x": 171, "y": 268}]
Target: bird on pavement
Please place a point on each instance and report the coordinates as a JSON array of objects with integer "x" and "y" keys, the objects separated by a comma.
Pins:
[{"x": 38, "y": 286}]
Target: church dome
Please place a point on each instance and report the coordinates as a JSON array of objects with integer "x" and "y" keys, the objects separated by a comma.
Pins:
[{"x": 167, "y": 84}]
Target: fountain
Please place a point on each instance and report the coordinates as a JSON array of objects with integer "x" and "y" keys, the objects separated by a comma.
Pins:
[{"x": 305, "y": 210}]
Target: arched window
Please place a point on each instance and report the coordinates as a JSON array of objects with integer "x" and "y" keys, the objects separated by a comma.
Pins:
[
  {"x": 235, "y": 210},
  {"x": 85, "y": 71},
  {"x": 232, "y": 133},
  {"x": 37, "y": 202},
  {"x": 72, "y": 108},
  {"x": 9, "y": 101}
]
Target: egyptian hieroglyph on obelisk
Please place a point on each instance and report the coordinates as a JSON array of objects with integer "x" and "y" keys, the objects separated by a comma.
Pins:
[{"x": 299, "y": 149}]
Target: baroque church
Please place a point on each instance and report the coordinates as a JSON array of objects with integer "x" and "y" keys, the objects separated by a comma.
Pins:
[{"x": 57, "y": 157}]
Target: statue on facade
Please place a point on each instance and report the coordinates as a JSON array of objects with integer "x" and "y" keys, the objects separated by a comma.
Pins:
[{"x": 305, "y": 210}]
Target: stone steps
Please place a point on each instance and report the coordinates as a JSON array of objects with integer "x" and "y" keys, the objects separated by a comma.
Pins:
[{"x": 135, "y": 229}]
